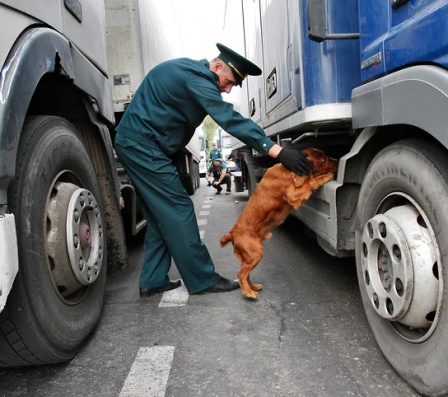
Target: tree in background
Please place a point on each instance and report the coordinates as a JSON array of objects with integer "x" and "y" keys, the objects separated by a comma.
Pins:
[{"x": 209, "y": 127}]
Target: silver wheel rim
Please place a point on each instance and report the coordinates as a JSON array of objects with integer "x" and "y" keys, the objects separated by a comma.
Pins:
[
  {"x": 74, "y": 239},
  {"x": 401, "y": 264}
]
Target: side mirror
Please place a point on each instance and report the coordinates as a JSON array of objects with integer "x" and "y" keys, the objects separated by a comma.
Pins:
[
  {"x": 316, "y": 20},
  {"x": 316, "y": 17}
]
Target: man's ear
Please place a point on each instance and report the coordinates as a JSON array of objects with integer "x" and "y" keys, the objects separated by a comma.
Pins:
[{"x": 217, "y": 66}]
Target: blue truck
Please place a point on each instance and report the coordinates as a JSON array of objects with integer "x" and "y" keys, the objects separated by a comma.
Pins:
[{"x": 367, "y": 81}]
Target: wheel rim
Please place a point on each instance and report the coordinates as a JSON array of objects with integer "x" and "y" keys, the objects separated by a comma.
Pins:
[
  {"x": 400, "y": 264},
  {"x": 75, "y": 239}
]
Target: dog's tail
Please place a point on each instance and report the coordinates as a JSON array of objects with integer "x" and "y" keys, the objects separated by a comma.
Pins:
[{"x": 225, "y": 239}]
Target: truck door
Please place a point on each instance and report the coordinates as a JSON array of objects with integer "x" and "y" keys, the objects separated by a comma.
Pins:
[
  {"x": 254, "y": 52},
  {"x": 276, "y": 52}
]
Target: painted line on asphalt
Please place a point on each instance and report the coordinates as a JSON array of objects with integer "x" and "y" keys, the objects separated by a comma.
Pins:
[
  {"x": 175, "y": 298},
  {"x": 148, "y": 376}
]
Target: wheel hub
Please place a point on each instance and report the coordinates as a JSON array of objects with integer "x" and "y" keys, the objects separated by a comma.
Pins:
[
  {"x": 75, "y": 238},
  {"x": 399, "y": 265},
  {"x": 85, "y": 234}
]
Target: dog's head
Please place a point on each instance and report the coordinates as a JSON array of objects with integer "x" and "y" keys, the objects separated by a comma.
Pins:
[{"x": 322, "y": 163}]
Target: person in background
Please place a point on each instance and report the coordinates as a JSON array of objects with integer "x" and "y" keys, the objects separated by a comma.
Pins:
[
  {"x": 170, "y": 103},
  {"x": 218, "y": 172},
  {"x": 215, "y": 153}
]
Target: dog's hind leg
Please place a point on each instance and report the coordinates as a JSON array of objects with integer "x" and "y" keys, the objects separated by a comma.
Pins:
[
  {"x": 250, "y": 257},
  {"x": 247, "y": 288}
]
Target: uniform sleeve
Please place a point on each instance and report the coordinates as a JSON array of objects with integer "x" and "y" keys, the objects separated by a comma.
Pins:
[{"x": 208, "y": 97}]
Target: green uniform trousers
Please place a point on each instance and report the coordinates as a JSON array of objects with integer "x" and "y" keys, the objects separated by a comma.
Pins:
[{"x": 172, "y": 230}]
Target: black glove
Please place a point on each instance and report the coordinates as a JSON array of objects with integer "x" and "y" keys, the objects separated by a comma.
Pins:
[
  {"x": 209, "y": 183},
  {"x": 295, "y": 161}
]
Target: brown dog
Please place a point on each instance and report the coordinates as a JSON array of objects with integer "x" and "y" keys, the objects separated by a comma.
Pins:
[{"x": 279, "y": 191}]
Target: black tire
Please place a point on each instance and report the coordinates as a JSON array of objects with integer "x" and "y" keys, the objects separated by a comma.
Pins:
[
  {"x": 198, "y": 176},
  {"x": 53, "y": 307},
  {"x": 401, "y": 245},
  {"x": 190, "y": 179},
  {"x": 189, "y": 185}
]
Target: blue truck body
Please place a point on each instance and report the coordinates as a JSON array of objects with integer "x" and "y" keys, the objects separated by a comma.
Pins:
[
  {"x": 367, "y": 81},
  {"x": 415, "y": 33}
]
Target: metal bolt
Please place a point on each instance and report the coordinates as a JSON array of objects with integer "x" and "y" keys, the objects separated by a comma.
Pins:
[{"x": 76, "y": 215}]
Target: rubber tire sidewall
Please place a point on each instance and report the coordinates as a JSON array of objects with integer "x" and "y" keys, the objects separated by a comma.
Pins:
[
  {"x": 418, "y": 169},
  {"x": 53, "y": 330}
]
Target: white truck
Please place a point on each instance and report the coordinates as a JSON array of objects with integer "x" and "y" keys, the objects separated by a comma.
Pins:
[
  {"x": 65, "y": 204},
  {"x": 140, "y": 35}
]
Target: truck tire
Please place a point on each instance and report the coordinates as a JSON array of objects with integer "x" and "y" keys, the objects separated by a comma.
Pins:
[
  {"x": 401, "y": 245},
  {"x": 58, "y": 292},
  {"x": 189, "y": 185},
  {"x": 190, "y": 179},
  {"x": 198, "y": 176}
]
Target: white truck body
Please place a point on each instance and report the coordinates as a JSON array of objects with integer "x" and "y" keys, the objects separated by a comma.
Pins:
[{"x": 140, "y": 35}]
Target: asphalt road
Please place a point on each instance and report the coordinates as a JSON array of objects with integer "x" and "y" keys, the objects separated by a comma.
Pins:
[{"x": 306, "y": 335}]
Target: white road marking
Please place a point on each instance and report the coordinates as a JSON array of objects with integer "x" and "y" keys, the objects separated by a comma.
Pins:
[
  {"x": 202, "y": 222},
  {"x": 175, "y": 297},
  {"x": 205, "y": 206},
  {"x": 149, "y": 373},
  {"x": 202, "y": 234},
  {"x": 204, "y": 213}
]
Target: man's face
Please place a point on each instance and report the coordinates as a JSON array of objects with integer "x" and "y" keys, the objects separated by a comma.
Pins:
[{"x": 226, "y": 79}]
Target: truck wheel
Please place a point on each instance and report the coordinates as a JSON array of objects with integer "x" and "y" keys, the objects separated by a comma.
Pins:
[
  {"x": 198, "y": 176},
  {"x": 190, "y": 179},
  {"x": 401, "y": 246},
  {"x": 189, "y": 185},
  {"x": 58, "y": 292}
]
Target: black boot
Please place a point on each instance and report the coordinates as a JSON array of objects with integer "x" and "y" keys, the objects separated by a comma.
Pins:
[
  {"x": 223, "y": 285},
  {"x": 146, "y": 292}
]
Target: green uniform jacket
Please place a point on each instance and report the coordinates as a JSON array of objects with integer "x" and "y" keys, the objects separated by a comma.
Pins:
[
  {"x": 172, "y": 102},
  {"x": 215, "y": 154}
]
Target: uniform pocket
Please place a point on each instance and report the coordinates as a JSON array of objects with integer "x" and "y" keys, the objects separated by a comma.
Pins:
[{"x": 125, "y": 142}]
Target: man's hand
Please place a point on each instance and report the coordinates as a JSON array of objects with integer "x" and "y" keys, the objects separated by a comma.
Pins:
[
  {"x": 209, "y": 184},
  {"x": 295, "y": 161}
]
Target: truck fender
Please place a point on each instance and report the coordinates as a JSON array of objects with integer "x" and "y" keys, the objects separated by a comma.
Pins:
[
  {"x": 416, "y": 96},
  {"x": 36, "y": 52}
]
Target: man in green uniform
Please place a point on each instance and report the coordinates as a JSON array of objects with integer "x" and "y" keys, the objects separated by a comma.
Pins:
[
  {"x": 171, "y": 102},
  {"x": 215, "y": 153}
]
